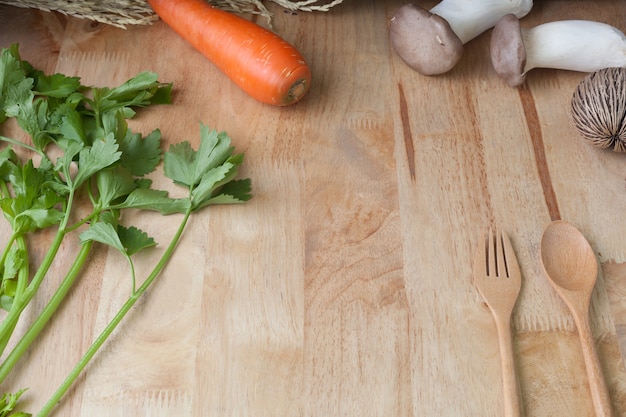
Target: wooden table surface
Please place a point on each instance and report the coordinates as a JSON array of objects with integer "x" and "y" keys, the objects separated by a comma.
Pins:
[{"x": 344, "y": 287}]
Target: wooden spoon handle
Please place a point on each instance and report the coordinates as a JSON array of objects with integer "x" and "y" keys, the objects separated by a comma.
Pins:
[
  {"x": 597, "y": 384},
  {"x": 510, "y": 384}
]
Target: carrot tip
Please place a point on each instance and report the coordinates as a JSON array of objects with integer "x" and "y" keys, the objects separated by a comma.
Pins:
[{"x": 297, "y": 90}]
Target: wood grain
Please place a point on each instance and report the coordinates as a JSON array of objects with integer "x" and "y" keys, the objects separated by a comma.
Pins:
[{"x": 344, "y": 286}]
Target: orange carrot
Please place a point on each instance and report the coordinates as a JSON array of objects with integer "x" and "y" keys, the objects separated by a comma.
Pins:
[{"x": 256, "y": 59}]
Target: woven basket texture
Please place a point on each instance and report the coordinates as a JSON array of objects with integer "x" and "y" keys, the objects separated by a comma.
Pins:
[{"x": 123, "y": 13}]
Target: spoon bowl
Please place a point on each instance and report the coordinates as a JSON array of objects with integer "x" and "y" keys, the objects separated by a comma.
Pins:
[
  {"x": 571, "y": 267},
  {"x": 567, "y": 258}
]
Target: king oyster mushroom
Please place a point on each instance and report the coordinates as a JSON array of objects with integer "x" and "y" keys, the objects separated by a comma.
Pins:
[
  {"x": 575, "y": 45},
  {"x": 599, "y": 108},
  {"x": 431, "y": 42}
]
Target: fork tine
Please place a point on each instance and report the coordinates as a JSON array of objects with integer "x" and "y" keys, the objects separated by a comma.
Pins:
[
  {"x": 501, "y": 255},
  {"x": 491, "y": 254},
  {"x": 512, "y": 266}
]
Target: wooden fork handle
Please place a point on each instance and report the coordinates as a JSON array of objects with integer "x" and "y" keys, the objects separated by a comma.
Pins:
[{"x": 510, "y": 384}]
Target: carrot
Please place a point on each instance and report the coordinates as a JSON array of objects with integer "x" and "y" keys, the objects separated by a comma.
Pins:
[{"x": 256, "y": 59}]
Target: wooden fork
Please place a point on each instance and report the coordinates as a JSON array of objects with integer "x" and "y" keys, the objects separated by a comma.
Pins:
[{"x": 498, "y": 278}]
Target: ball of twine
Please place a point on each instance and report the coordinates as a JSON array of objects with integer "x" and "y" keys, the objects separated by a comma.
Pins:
[{"x": 599, "y": 108}]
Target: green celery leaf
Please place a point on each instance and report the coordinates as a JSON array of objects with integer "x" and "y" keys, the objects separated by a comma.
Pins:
[
  {"x": 46, "y": 165},
  {"x": 10, "y": 69},
  {"x": 19, "y": 96},
  {"x": 162, "y": 95},
  {"x": 28, "y": 180},
  {"x": 33, "y": 184},
  {"x": 58, "y": 110},
  {"x": 31, "y": 113},
  {"x": 234, "y": 192},
  {"x": 8, "y": 154},
  {"x": 141, "y": 156},
  {"x": 59, "y": 188},
  {"x": 109, "y": 217},
  {"x": 156, "y": 200},
  {"x": 179, "y": 164},
  {"x": 212, "y": 180},
  {"x": 11, "y": 74},
  {"x": 114, "y": 183},
  {"x": 134, "y": 239},
  {"x": 36, "y": 218},
  {"x": 6, "y": 302},
  {"x": 100, "y": 155},
  {"x": 214, "y": 149},
  {"x": 186, "y": 166},
  {"x": 131, "y": 88},
  {"x": 71, "y": 127},
  {"x": 41, "y": 137},
  {"x": 8, "y": 158},
  {"x": 48, "y": 197},
  {"x": 142, "y": 90},
  {"x": 19, "y": 103},
  {"x": 56, "y": 85},
  {"x": 115, "y": 122},
  {"x": 126, "y": 240},
  {"x": 12, "y": 264},
  {"x": 8, "y": 401},
  {"x": 9, "y": 287},
  {"x": 103, "y": 233},
  {"x": 6, "y": 206},
  {"x": 143, "y": 182},
  {"x": 28, "y": 213},
  {"x": 71, "y": 149},
  {"x": 208, "y": 171}
]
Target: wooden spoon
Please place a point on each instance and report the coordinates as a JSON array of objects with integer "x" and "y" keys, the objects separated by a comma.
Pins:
[{"x": 572, "y": 269}]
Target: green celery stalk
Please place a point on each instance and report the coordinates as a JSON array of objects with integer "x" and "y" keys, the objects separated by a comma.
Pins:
[
  {"x": 22, "y": 283},
  {"x": 119, "y": 316},
  {"x": 19, "y": 304},
  {"x": 44, "y": 317}
]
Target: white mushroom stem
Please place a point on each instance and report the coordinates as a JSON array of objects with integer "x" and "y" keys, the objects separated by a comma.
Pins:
[
  {"x": 470, "y": 18},
  {"x": 576, "y": 45}
]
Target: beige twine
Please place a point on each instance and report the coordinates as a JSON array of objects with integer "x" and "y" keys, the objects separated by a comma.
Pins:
[{"x": 122, "y": 13}]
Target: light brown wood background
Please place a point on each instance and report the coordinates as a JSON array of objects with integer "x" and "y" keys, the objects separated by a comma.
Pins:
[{"x": 344, "y": 287}]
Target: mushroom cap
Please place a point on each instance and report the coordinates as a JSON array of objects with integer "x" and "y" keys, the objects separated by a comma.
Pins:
[
  {"x": 599, "y": 108},
  {"x": 423, "y": 40},
  {"x": 508, "y": 54}
]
